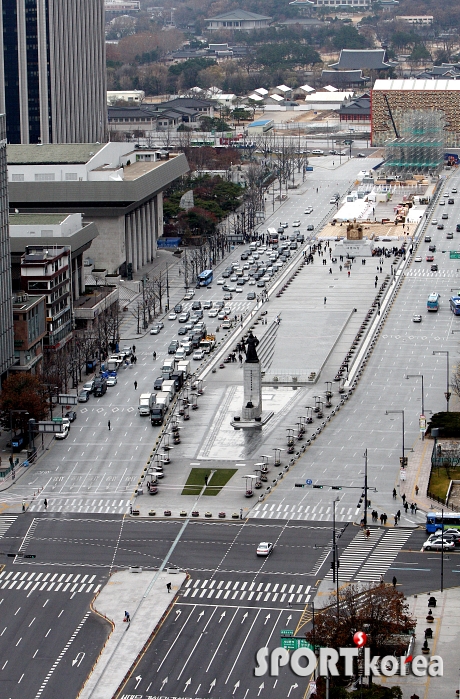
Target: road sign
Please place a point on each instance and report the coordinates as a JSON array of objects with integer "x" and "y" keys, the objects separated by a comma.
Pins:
[
  {"x": 308, "y": 481},
  {"x": 286, "y": 633},
  {"x": 402, "y": 474},
  {"x": 422, "y": 423},
  {"x": 293, "y": 643},
  {"x": 454, "y": 255},
  {"x": 312, "y": 686}
]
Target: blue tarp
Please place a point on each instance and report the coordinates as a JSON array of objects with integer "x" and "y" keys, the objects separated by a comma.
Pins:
[{"x": 168, "y": 242}]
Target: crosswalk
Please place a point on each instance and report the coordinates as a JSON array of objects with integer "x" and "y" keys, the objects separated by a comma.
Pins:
[
  {"x": 5, "y": 523},
  {"x": 366, "y": 559},
  {"x": 86, "y": 505},
  {"x": 425, "y": 272},
  {"x": 384, "y": 554},
  {"x": 320, "y": 513},
  {"x": 352, "y": 558},
  {"x": 48, "y": 582},
  {"x": 231, "y": 591},
  {"x": 237, "y": 305}
]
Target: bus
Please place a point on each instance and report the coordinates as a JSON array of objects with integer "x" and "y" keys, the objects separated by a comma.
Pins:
[
  {"x": 432, "y": 303},
  {"x": 205, "y": 278},
  {"x": 455, "y": 305},
  {"x": 435, "y": 520}
]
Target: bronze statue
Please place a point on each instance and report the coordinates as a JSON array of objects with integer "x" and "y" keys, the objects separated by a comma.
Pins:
[{"x": 250, "y": 345}]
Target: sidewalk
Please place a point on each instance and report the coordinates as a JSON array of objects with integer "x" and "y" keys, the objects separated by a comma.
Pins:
[{"x": 147, "y": 600}]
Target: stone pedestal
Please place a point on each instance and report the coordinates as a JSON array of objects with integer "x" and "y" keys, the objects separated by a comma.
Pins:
[{"x": 252, "y": 402}]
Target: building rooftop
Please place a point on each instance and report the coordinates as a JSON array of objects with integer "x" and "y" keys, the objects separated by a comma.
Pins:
[
  {"x": 36, "y": 219},
  {"x": 237, "y": 15},
  {"x": 413, "y": 84},
  {"x": 344, "y": 76},
  {"x": 52, "y": 153},
  {"x": 135, "y": 170},
  {"x": 369, "y": 59}
]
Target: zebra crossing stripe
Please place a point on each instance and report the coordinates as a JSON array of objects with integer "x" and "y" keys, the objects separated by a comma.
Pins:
[
  {"x": 33, "y": 581},
  {"x": 232, "y": 590},
  {"x": 5, "y": 524}
]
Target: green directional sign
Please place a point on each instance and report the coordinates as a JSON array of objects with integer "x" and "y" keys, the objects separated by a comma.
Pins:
[
  {"x": 293, "y": 643},
  {"x": 286, "y": 633},
  {"x": 454, "y": 255}
]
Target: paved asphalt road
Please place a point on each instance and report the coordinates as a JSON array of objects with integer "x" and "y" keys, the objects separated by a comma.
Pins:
[{"x": 233, "y": 603}]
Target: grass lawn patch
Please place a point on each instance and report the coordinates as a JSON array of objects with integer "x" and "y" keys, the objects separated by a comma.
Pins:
[
  {"x": 196, "y": 480},
  {"x": 440, "y": 479}
]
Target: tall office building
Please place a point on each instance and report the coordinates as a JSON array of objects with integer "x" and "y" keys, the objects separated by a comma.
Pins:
[
  {"x": 6, "y": 304},
  {"x": 52, "y": 71}
]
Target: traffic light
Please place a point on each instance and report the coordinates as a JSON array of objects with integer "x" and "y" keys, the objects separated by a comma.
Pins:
[
  {"x": 29, "y": 555},
  {"x": 318, "y": 486},
  {"x": 336, "y": 487}
]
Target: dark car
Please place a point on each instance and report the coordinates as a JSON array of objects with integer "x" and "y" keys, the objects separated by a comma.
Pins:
[
  {"x": 158, "y": 383},
  {"x": 440, "y": 226},
  {"x": 182, "y": 331},
  {"x": 226, "y": 274},
  {"x": 251, "y": 296},
  {"x": 457, "y": 227},
  {"x": 432, "y": 248},
  {"x": 173, "y": 346},
  {"x": 310, "y": 227},
  {"x": 71, "y": 415},
  {"x": 178, "y": 308},
  {"x": 196, "y": 306},
  {"x": 434, "y": 268},
  {"x": 450, "y": 201},
  {"x": 83, "y": 397}
]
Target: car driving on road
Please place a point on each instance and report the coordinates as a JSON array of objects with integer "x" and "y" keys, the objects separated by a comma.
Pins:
[{"x": 264, "y": 548}]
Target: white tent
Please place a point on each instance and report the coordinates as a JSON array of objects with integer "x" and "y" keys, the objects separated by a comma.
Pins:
[
  {"x": 261, "y": 91},
  {"x": 330, "y": 88}
]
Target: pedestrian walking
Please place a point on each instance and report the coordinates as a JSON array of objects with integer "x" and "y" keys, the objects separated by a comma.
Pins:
[
  {"x": 381, "y": 579},
  {"x": 415, "y": 508},
  {"x": 348, "y": 272},
  {"x": 241, "y": 513},
  {"x": 394, "y": 493},
  {"x": 135, "y": 385},
  {"x": 381, "y": 518},
  {"x": 168, "y": 587},
  {"x": 325, "y": 299},
  {"x": 404, "y": 497},
  {"x": 406, "y": 507},
  {"x": 412, "y": 508},
  {"x": 398, "y": 515},
  {"x": 385, "y": 517},
  {"x": 127, "y": 617},
  {"x": 134, "y": 349},
  {"x": 368, "y": 533},
  {"x": 108, "y": 425},
  {"x": 394, "y": 581},
  {"x": 45, "y": 502},
  {"x": 416, "y": 489},
  {"x": 154, "y": 355},
  {"x": 396, "y": 520}
]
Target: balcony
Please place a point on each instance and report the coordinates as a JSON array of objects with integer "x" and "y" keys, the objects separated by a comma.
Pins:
[{"x": 91, "y": 305}]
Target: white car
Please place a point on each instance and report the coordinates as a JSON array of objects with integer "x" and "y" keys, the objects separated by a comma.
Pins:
[
  {"x": 296, "y": 224},
  {"x": 264, "y": 548},
  {"x": 252, "y": 282},
  {"x": 155, "y": 330},
  {"x": 189, "y": 295},
  {"x": 220, "y": 282},
  {"x": 112, "y": 381},
  {"x": 198, "y": 355},
  {"x": 239, "y": 290},
  {"x": 172, "y": 316},
  {"x": 309, "y": 210},
  {"x": 438, "y": 544},
  {"x": 417, "y": 259},
  {"x": 416, "y": 318},
  {"x": 64, "y": 431},
  {"x": 434, "y": 222},
  {"x": 221, "y": 315},
  {"x": 213, "y": 313}
]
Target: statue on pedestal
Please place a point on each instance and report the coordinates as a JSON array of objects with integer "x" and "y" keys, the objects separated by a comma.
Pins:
[{"x": 250, "y": 345}]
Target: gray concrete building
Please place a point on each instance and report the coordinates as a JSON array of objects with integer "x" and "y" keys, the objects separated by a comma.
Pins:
[
  {"x": 112, "y": 185},
  {"x": 52, "y": 70},
  {"x": 6, "y": 306}
]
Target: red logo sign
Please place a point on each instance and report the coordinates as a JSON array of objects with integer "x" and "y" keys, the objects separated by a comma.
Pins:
[{"x": 360, "y": 639}]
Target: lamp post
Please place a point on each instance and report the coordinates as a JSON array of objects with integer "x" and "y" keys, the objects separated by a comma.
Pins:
[
  {"x": 418, "y": 376},
  {"x": 403, "y": 459},
  {"x": 335, "y": 558},
  {"x": 365, "y": 489},
  {"x": 447, "y": 393}
]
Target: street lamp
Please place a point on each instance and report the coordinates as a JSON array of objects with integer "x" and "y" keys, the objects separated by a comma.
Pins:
[
  {"x": 335, "y": 558},
  {"x": 418, "y": 376},
  {"x": 403, "y": 458},
  {"x": 447, "y": 393}
]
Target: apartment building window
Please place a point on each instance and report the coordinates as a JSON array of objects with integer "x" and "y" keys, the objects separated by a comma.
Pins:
[
  {"x": 44, "y": 177},
  {"x": 17, "y": 178},
  {"x": 70, "y": 176}
]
